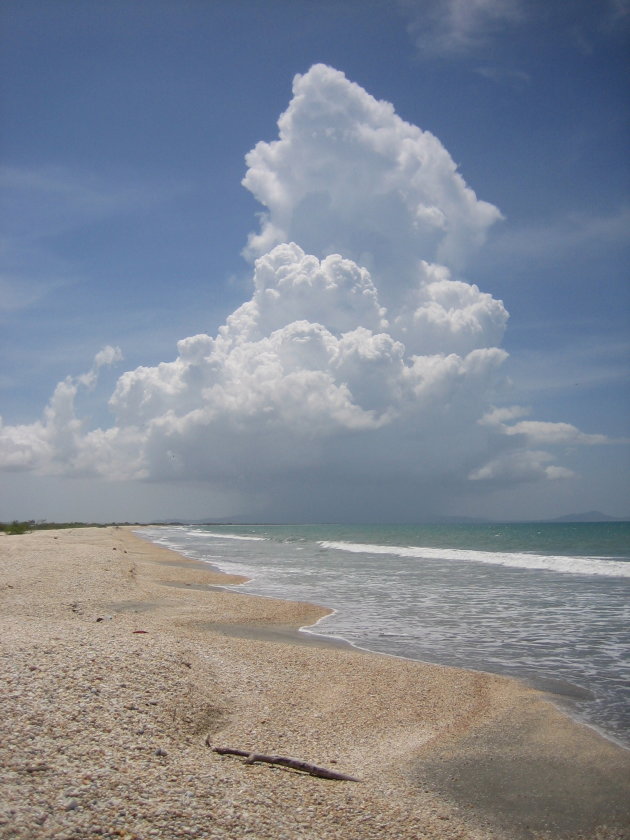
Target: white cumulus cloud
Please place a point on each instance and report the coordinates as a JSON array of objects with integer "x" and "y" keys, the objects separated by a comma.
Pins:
[
  {"x": 57, "y": 443},
  {"x": 363, "y": 357},
  {"x": 522, "y": 465},
  {"x": 347, "y": 175}
]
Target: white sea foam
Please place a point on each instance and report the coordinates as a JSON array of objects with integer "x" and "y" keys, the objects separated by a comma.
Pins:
[
  {"x": 600, "y": 566},
  {"x": 215, "y": 536}
]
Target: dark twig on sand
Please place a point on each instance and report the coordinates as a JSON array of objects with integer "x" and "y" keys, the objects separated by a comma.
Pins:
[{"x": 285, "y": 761}]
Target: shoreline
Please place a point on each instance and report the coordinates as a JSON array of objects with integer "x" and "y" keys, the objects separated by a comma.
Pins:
[
  {"x": 560, "y": 693},
  {"x": 119, "y": 666},
  {"x": 564, "y": 695}
]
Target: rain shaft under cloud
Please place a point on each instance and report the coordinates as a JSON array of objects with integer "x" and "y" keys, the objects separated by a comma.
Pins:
[{"x": 363, "y": 359}]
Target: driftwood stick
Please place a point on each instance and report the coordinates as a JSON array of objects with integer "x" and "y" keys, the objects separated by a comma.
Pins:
[{"x": 286, "y": 761}]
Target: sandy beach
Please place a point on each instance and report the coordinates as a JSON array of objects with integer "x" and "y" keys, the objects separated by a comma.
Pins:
[{"x": 121, "y": 663}]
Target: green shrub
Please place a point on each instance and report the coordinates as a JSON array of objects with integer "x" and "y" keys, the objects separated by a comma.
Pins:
[{"x": 16, "y": 527}]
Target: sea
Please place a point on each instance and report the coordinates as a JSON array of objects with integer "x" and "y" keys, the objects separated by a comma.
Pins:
[{"x": 547, "y": 603}]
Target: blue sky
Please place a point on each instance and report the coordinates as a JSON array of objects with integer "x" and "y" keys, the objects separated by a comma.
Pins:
[{"x": 125, "y": 131}]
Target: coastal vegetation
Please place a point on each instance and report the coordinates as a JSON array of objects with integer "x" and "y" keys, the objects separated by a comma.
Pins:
[
  {"x": 15, "y": 527},
  {"x": 25, "y": 527}
]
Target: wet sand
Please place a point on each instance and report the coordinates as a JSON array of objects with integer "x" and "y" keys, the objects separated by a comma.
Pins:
[{"x": 120, "y": 659}]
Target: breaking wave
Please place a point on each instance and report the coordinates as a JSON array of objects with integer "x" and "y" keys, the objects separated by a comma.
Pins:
[{"x": 600, "y": 566}]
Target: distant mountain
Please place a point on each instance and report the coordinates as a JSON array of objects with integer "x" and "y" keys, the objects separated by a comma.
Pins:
[{"x": 589, "y": 516}]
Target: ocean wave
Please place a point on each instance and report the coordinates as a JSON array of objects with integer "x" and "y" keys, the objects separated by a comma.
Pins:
[
  {"x": 599, "y": 566},
  {"x": 227, "y": 536}
]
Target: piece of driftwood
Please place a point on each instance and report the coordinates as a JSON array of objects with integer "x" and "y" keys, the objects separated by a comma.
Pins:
[{"x": 286, "y": 761}]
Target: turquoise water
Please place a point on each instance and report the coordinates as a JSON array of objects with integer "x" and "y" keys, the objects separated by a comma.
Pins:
[{"x": 545, "y": 602}]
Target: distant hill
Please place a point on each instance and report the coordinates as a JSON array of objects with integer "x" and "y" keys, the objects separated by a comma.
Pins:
[{"x": 589, "y": 516}]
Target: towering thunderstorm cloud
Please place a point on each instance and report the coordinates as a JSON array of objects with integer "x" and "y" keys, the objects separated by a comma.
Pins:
[{"x": 362, "y": 360}]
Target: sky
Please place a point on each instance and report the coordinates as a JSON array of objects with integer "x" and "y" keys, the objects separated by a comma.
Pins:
[{"x": 299, "y": 260}]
